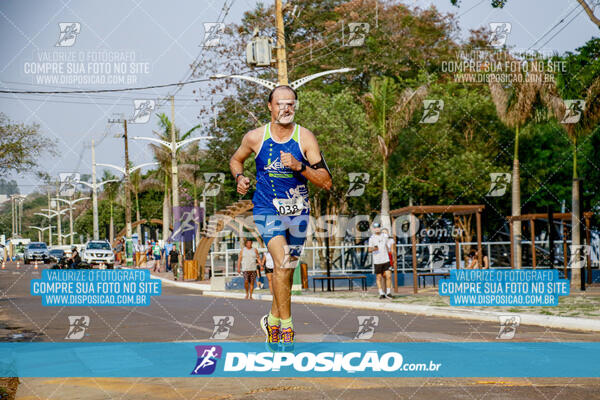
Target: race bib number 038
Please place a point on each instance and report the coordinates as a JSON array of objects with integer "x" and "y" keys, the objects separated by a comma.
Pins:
[{"x": 293, "y": 206}]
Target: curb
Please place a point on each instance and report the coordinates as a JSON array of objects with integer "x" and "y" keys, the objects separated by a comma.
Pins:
[
  {"x": 547, "y": 321},
  {"x": 187, "y": 285}
]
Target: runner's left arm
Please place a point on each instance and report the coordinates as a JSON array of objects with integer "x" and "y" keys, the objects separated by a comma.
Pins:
[{"x": 318, "y": 176}]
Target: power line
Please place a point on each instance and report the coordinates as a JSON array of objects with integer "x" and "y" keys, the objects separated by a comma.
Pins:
[
  {"x": 105, "y": 90},
  {"x": 555, "y": 25},
  {"x": 561, "y": 29}
]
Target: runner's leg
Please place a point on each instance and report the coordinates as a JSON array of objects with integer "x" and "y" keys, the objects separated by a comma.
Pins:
[
  {"x": 270, "y": 279},
  {"x": 282, "y": 278}
]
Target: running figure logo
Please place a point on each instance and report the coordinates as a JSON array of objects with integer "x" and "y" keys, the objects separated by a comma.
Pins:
[
  {"x": 438, "y": 255},
  {"x": 358, "y": 33},
  {"x": 358, "y": 183},
  {"x": 77, "y": 326},
  {"x": 508, "y": 326},
  {"x": 500, "y": 32},
  {"x": 579, "y": 254},
  {"x": 207, "y": 359},
  {"x": 186, "y": 221},
  {"x": 573, "y": 111},
  {"x": 68, "y": 182},
  {"x": 366, "y": 326},
  {"x": 213, "y": 182},
  {"x": 142, "y": 111},
  {"x": 212, "y": 33},
  {"x": 223, "y": 325},
  {"x": 432, "y": 111},
  {"x": 68, "y": 33},
  {"x": 500, "y": 182}
]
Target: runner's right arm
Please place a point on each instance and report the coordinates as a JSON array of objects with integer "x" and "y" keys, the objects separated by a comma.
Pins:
[{"x": 249, "y": 145}]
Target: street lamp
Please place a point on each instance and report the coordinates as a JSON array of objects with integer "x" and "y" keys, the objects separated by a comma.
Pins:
[
  {"x": 126, "y": 173},
  {"x": 67, "y": 235},
  {"x": 94, "y": 186},
  {"x": 294, "y": 85},
  {"x": 71, "y": 203},
  {"x": 41, "y": 230},
  {"x": 174, "y": 146},
  {"x": 51, "y": 214},
  {"x": 17, "y": 210}
]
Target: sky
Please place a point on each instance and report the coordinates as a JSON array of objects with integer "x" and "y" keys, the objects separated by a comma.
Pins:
[{"x": 125, "y": 43}]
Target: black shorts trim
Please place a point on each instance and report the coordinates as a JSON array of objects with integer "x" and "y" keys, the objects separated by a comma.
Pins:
[{"x": 381, "y": 268}]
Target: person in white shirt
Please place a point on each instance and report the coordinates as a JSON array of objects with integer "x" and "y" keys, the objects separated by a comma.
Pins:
[
  {"x": 246, "y": 263},
  {"x": 379, "y": 246}
]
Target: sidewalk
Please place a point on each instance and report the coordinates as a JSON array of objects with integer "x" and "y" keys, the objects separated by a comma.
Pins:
[{"x": 575, "y": 312}]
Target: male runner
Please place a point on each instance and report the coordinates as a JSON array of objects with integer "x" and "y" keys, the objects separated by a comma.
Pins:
[{"x": 283, "y": 150}]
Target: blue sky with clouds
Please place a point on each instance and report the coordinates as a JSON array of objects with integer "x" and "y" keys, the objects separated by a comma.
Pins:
[{"x": 157, "y": 41}]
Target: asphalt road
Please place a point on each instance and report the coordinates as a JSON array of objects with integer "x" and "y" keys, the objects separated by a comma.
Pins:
[{"x": 185, "y": 315}]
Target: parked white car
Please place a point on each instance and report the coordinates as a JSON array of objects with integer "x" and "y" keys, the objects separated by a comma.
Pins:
[
  {"x": 36, "y": 251},
  {"x": 98, "y": 252}
]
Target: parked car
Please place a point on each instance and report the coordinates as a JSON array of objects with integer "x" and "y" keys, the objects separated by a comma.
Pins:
[
  {"x": 56, "y": 254},
  {"x": 98, "y": 252},
  {"x": 35, "y": 251}
]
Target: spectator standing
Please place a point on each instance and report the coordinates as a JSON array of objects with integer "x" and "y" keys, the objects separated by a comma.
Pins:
[
  {"x": 378, "y": 245},
  {"x": 247, "y": 264},
  {"x": 156, "y": 256},
  {"x": 174, "y": 262}
]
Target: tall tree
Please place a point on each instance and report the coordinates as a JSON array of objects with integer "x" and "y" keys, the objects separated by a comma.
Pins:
[
  {"x": 389, "y": 112},
  {"x": 578, "y": 122},
  {"x": 515, "y": 103},
  {"x": 21, "y": 146}
]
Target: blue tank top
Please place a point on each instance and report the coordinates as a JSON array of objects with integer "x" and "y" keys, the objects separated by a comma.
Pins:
[{"x": 279, "y": 189}]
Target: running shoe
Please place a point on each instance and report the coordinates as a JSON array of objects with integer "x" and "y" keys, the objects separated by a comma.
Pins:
[
  {"x": 389, "y": 296},
  {"x": 272, "y": 333},
  {"x": 382, "y": 296},
  {"x": 287, "y": 339}
]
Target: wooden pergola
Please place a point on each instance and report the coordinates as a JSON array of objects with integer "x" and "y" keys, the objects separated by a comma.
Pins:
[
  {"x": 456, "y": 210},
  {"x": 558, "y": 216}
]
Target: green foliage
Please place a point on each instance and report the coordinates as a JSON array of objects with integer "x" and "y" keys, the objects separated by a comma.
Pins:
[
  {"x": 339, "y": 124},
  {"x": 21, "y": 145}
]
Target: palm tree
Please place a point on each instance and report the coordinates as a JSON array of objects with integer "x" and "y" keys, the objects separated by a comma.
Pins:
[
  {"x": 515, "y": 104},
  {"x": 588, "y": 121},
  {"x": 192, "y": 172},
  {"x": 389, "y": 112},
  {"x": 111, "y": 190},
  {"x": 163, "y": 156}
]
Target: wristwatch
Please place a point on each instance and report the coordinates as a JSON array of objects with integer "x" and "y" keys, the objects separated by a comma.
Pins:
[{"x": 238, "y": 175}]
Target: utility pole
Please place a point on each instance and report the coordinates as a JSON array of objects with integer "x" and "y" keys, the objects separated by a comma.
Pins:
[
  {"x": 12, "y": 213},
  {"x": 49, "y": 220},
  {"x": 94, "y": 196},
  {"x": 174, "y": 173},
  {"x": 282, "y": 75},
  {"x": 20, "y": 202},
  {"x": 128, "y": 243},
  {"x": 58, "y": 217}
]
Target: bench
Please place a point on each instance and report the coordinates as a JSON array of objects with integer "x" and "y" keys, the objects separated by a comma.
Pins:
[
  {"x": 432, "y": 274},
  {"x": 350, "y": 278}
]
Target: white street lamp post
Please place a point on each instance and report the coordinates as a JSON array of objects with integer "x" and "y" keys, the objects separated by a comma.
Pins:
[
  {"x": 94, "y": 186},
  {"x": 174, "y": 146},
  {"x": 71, "y": 203}
]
